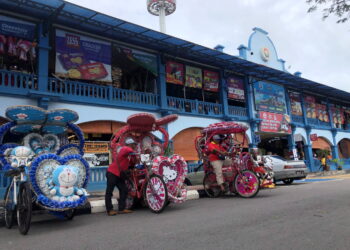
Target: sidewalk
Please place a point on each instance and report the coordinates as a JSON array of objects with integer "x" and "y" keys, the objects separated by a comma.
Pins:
[{"x": 328, "y": 173}]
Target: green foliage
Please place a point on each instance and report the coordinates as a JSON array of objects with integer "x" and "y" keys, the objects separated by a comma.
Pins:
[
  {"x": 339, "y": 163},
  {"x": 339, "y": 8}
]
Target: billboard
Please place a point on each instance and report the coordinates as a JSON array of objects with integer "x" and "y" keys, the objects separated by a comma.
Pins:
[{"x": 269, "y": 97}]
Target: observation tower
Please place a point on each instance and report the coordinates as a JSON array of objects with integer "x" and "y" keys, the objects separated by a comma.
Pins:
[{"x": 161, "y": 8}]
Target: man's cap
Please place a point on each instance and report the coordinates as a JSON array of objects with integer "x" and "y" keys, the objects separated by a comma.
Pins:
[
  {"x": 217, "y": 137},
  {"x": 129, "y": 141}
]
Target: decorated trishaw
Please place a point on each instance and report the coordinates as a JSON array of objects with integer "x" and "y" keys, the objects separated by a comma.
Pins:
[
  {"x": 47, "y": 172},
  {"x": 156, "y": 179},
  {"x": 243, "y": 176}
]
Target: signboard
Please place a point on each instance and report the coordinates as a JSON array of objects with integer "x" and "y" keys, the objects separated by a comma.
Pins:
[
  {"x": 313, "y": 137},
  {"x": 337, "y": 115},
  {"x": 17, "y": 28},
  {"x": 175, "y": 73},
  {"x": 193, "y": 77},
  {"x": 269, "y": 97},
  {"x": 235, "y": 88},
  {"x": 211, "y": 81},
  {"x": 96, "y": 153},
  {"x": 310, "y": 104},
  {"x": 295, "y": 102},
  {"x": 276, "y": 123},
  {"x": 321, "y": 112},
  {"x": 82, "y": 57},
  {"x": 257, "y": 138}
]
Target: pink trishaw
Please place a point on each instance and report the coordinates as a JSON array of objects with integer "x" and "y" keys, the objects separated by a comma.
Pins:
[{"x": 156, "y": 179}]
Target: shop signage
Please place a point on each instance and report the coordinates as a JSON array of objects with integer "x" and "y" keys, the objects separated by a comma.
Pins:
[
  {"x": 310, "y": 104},
  {"x": 295, "y": 102},
  {"x": 273, "y": 122},
  {"x": 269, "y": 97},
  {"x": 337, "y": 115},
  {"x": 193, "y": 77},
  {"x": 82, "y": 57},
  {"x": 175, "y": 73},
  {"x": 235, "y": 88},
  {"x": 211, "y": 81},
  {"x": 257, "y": 139},
  {"x": 97, "y": 159},
  {"x": 17, "y": 28},
  {"x": 313, "y": 137},
  {"x": 321, "y": 112}
]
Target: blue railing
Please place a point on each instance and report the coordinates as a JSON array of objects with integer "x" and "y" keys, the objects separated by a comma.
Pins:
[
  {"x": 237, "y": 111},
  {"x": 297, "y": 119},
  {"x": 11, "y": 81},
  {"x": 318, "y": 123},
  {"x": 194, "y": 106},
  {"x": 97, "y": 179}
]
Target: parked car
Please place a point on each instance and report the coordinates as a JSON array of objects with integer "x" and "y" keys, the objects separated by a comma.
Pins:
[
  {"x": 286, "y": 170},
  {"x": 195, "y": 175}
]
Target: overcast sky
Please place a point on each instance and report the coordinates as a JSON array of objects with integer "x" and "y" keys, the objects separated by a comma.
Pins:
[{"x": 319, "y": 49}]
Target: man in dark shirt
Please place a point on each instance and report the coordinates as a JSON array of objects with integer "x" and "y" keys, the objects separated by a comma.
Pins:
[{"x": 116, "y": 176}]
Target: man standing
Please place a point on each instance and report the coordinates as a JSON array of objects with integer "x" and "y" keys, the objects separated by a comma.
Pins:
[{"x": 116, "y": 176}]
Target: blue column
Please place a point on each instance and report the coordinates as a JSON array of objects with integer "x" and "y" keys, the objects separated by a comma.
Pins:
[
  {"x": 161, "y": 81},
  {"x": 223, "y": 96},
  {"x": 335, "y": 153},
  {"x": 43, "y": 57},
  {"x": 253, "y": 121},
  {"x": 303, "y": 108},
  {"x": 308, "y": 151},
  {"x": 330, "y": 114}
]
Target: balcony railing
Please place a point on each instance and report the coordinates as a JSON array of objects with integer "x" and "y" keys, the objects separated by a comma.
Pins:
[
  {"x": 318, "y": 123},
  {"x": 193, "y": 106},
  {"x": 237, "y": 111},
  {"x": 17, "y": 82},
  {"x": 297, "y": 119}
]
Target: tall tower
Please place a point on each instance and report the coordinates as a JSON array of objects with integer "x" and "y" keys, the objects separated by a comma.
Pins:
[{"x": 161, "y": 8}]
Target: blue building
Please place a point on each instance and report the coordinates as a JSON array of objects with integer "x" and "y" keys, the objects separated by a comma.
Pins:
[{"x": 55, "y": 54}]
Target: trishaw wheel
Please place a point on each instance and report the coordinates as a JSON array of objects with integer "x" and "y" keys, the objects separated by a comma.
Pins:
[
  {"x": 130, "y": 199},
  {"x": 211, "y": 187},
  {"x": 69, "y": 214},
  {"x": 10, "y": 207},
  {"x": 247, "y": 184},
  {"x": 24, "y": 208},
  {"x": 155, "y": 193}
]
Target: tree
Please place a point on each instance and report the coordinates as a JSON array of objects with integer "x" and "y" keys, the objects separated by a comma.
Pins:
[{"x": 339, "y": 8}]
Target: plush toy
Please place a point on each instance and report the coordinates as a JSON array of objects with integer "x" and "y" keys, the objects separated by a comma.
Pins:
[
  {"x": 63, "y": 184},
  {"x": 169, "y": 174}
]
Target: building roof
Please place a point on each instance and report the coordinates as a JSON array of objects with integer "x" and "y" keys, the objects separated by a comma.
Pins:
[{"x": 71, "y": 15}]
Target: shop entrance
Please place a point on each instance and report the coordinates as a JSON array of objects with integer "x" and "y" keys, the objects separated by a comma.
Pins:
[{"x": 275, "y": 144}]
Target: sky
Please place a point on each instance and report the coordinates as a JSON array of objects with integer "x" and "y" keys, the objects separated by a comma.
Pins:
[{"x": 319, "y": 49}]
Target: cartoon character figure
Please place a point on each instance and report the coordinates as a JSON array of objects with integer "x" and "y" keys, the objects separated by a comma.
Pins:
[
  {"x": 63, "y": 184},
  {"x": 169, "y": 174},
  {"x": 21, "y": 156}
]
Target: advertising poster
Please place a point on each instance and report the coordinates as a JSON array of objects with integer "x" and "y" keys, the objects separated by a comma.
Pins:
[
  {"x": 235, "y": 88},
  {"x": 310, "y": 104},
  {"x": 145, "y": 60},
  {"x": 211, "y": 81},
  {"x": 193, "y": 77},
  {"x": 175, "y": 72},
  {"x": 321, "y": 111},
  {"x": 269, "y": 97},
  {"x": 16, "y": 28},
  {"x": 337, "y": 115},
  {"x": 295, "y": 102},
  {"x": 82, "y": 57},
  {"x": 273, "y": 122},
  {"x": 97, "y": 159}
]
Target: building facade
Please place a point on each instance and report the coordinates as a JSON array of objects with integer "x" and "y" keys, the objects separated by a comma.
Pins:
[{"x": 55, "y": 54}]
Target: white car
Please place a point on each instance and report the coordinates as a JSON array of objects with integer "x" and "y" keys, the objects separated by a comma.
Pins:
[{"x": 286, "y": 170}]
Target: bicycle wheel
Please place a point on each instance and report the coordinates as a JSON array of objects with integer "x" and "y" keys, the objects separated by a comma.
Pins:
[
  {"x": 10, "y": 206},
  {"x": 130, "y": 199},
  {"x": 69, "y": 214},
  {"x": 24, "y": 208},
  {"x": 155, "y": 193},
  {"x": 211, "y": 187},
  {"x": 247, "y": 184}
]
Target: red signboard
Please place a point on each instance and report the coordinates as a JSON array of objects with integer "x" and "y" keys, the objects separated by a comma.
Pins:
[
  {"x": 175, "y": 72},
  {"x": 211, "y": 81},
  {"x": 235, "y": 88},
  {"x": 273, "y": 122},
  {"x": 313, "y": 137}
]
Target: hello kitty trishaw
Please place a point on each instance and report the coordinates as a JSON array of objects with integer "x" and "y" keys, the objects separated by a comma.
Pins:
[
  {"x": 156, "y": 180},
  {"x": 238, "y": 178},
  {"x": 47, "y": 172}
]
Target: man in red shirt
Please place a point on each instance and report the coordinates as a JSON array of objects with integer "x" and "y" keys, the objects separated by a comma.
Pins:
[
  {"x": 217, "y": 160},
  {"x": 116, "y": 176}
]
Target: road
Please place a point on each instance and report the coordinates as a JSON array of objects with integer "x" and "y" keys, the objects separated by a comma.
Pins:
[{"x": 313, "y": 215}]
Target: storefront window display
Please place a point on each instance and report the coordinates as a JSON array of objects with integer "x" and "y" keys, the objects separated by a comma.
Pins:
[{"x": 295, "y": 102}]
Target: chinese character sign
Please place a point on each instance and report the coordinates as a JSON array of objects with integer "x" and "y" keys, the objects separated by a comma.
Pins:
[
  {"x": 269, "y": 97},
  {"x": 175, "y": 73},
  {"x": 82, "y": 57},
  {"x": 295, "y": 102},
  {"x": 273, "y": 122},
  {"x": 193, "y": 77},
  {"x": 211, "y": 81},
  {"x": 235, "y": 88}
]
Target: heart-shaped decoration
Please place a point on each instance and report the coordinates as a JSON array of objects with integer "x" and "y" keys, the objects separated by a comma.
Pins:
[
  {"x": 174, "y": 171},
  {"x": 48, "y": 143}
]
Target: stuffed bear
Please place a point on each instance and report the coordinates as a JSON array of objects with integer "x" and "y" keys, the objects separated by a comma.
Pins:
[{"x": 63, "y": 184}]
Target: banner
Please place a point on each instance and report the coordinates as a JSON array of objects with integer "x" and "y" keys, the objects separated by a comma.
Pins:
[
  {"x": 235, "y": 88},
  {"x": 321, "y": 111},
  {"x": 193, "y": 77},
  {"x": 17, "y": 28},
  {"x": 269, "y": 97},
  {"x": 295, "y": 102},
  {"x": 82, "y": 57},
  {"x": 145, "y": 60},
  {"x": 310, "y": 104},
  {"x": 337, "y": 115},
  {"x": 211, "y": 81},
  {"x": 97, "y": 159},
  {"x": 276, "y": 123},
  {"x": 174, "y": 73}
]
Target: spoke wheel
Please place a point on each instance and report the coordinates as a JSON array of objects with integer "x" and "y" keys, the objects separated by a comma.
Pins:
[
  {"x": 24, "y": 208},
  {"x": 247, "y": 184},
  {"x": 155, "y": 194},
  {"x": 211, "y": 187},
  {"x": 10, "y": 206}
]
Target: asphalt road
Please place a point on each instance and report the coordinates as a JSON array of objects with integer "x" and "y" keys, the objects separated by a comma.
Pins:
[{"x": 313, "y": 215}]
